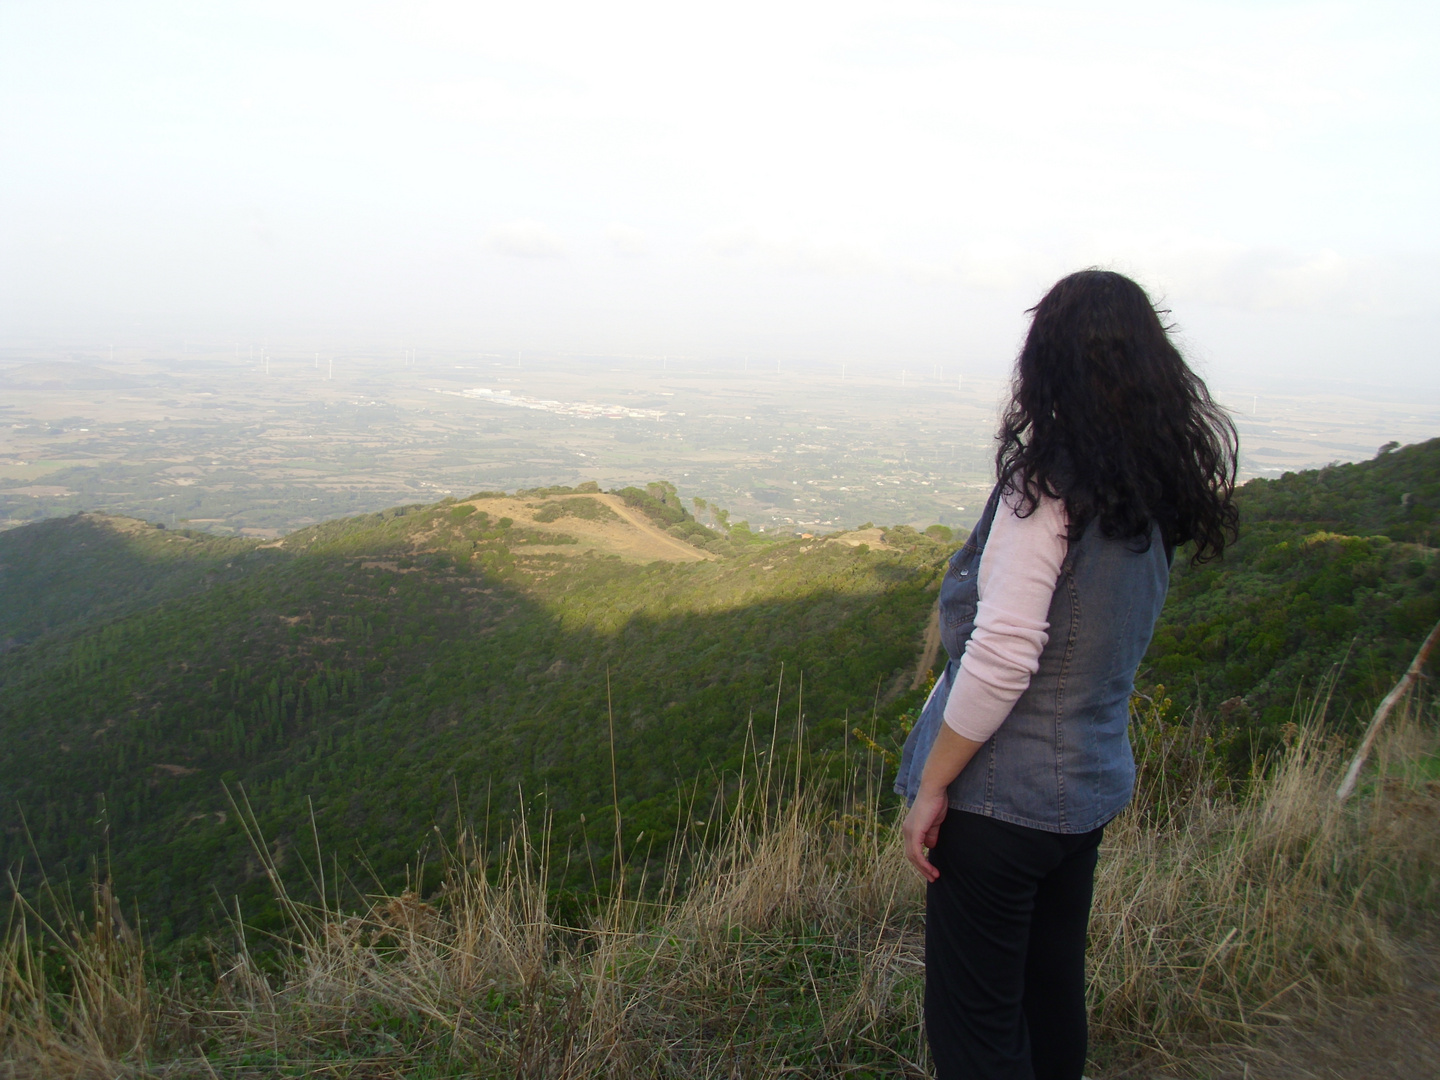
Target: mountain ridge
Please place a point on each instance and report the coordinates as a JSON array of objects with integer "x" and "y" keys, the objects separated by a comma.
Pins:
[
  {"x": 465, "y": 660},
  {"x": 403, "y": 667}
]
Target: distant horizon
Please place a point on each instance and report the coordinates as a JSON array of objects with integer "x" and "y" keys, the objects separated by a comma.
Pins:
[
  {"x": 14, "y": 353},
  {"x": 264, "y": 443},
  {"x": 879, "y": 183}
]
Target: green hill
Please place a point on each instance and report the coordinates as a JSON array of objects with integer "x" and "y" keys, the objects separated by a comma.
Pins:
[
  {"x": 403, "y": 670},
  {"x": 1333, "y": 581},
  {"x": 397, "y": 670},
  {"x": 69, "y": 572}
]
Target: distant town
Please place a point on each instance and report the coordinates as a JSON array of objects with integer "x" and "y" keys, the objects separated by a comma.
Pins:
[{"x": 260, "y": 443}]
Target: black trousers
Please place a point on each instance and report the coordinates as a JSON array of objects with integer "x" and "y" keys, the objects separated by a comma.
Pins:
[{"x": 1005, "y": 929}]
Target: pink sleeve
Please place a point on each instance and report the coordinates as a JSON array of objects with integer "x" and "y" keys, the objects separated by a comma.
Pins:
[{"x": 1018, "y": 572}]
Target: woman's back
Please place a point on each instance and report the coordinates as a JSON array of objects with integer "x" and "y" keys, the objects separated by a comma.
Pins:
[
  {"x": 1061, "y": 761},
  {"x": 1111, "y": 456}
]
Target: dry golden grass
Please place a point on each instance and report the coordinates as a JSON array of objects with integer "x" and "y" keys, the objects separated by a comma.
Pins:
[
  {"x": 103, "y": 1011},
  {"x": 786, "y": 945},
  {"x": 1237, "y": 913}
]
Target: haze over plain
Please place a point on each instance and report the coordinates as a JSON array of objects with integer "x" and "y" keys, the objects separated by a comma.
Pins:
[{"x": 885, "y": 184}]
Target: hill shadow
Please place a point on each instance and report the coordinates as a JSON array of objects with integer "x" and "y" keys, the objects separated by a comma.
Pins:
[
  {"x": 386, "y": 699},
  {"x": 66, "y": 573}
]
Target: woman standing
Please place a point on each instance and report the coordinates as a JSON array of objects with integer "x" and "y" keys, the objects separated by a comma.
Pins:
[{"x": 1111, "y": 455}]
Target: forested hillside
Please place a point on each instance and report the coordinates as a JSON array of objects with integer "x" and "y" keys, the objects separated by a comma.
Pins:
[
  {"x": 434, "y": 664},
  {"x": 394, "y": 671},
  {"x": 83, "y": 570},
  {"x": 1334, "y": 580}
]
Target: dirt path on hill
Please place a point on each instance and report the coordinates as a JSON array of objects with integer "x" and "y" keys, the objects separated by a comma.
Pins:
[
  {"x": 629, "y": 534},
  {"x": 931, "y": 649},
  {"x": 675, "y": 550}
]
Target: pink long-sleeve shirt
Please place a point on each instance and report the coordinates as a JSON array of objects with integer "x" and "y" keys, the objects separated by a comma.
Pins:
[{"x": 1018, "y": 573}]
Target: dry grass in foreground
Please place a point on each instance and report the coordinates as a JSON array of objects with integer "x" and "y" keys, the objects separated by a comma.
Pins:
[{"x": 793, "y": 949}]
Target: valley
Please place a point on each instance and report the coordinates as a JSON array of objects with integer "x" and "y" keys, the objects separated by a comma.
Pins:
[
  {"x": 459, "y": 661},
  {"x": 257, "y": 442}
]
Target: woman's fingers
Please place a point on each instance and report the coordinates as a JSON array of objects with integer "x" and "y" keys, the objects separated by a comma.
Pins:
[
  {"x": 923, "y": 865},
  {"x": 922, "y": 830},
  {"x": 932, "y": 836}
]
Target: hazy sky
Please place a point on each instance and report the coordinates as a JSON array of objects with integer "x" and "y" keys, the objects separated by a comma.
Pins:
[{"x": 886, "y": 182}]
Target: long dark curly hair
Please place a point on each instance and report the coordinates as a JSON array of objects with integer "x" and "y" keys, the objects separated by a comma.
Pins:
[{"x": 1106, "y": 415}]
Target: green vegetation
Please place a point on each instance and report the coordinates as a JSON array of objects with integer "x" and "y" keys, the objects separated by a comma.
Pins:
[
  {"x": 582, "y": 507},
  {"x": 435, "y": 665},
  {"x": 661, "y": 503},
  {"x": 419, "y": 667},
  {"x": 783, "y": 936},
  {"x": 73, "y": 573},
  {"x": 1333, "y": 582}
]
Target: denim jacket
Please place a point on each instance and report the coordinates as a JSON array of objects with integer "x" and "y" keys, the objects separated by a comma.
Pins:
[{"x": 1061, "y": 761}]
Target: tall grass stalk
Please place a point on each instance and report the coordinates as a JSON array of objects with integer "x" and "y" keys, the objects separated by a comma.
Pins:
[
  {"x": 74, "y": 993},
  {"x": 783, "y": 938},
  {"x": 1214, "y": 915}
]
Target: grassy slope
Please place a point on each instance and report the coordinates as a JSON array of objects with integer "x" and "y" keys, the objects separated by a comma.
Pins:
[
  {"x": 404, "y": 668},
  {"x": 453, "y": 674},
  {"x": 794, "y": 949},
  {"x": 1333, "y": 575}
]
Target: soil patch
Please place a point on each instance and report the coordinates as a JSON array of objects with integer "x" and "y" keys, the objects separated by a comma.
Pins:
[
  {"x": 631, "y": 535},
  {"x": 931, "y": 649}
]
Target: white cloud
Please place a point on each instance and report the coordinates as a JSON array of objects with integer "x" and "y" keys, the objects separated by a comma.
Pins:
[
  {"x": 892, "y": 164},
  {"x": 1256, "y": 278},
  {"x": 833, "y": 258},
  {"x": 1220, "y": 271},
  {"x": 524, "y": 240},
  {"x": 1283, "y": 279},
  {"x": 1009, "y": 263},
  {"x": 628, "y": 241}
]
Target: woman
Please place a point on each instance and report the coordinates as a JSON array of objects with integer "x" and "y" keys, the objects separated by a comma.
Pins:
[{"x": 1111, "y": 455}]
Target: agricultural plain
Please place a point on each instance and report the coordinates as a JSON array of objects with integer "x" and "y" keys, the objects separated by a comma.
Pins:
[{"x": 257, "y": 442}]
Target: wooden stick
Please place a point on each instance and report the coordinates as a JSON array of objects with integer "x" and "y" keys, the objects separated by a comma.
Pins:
[{"x": 1408, "y": 680}]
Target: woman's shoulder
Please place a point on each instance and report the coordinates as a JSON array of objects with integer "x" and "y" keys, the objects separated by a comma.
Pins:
[
  {"x": 1024, "y": 535},
  {"x": 1037, "y": 510}
]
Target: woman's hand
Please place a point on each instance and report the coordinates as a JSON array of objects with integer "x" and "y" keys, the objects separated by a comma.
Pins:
[
  {"x": 922, "y": 828},
  {"x": 949, "y": 755}
]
